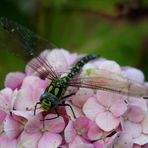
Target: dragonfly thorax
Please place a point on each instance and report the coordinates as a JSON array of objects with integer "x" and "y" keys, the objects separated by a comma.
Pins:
[
  {"x": 57, "y": 87},
  {"x": 50, "y": 98}
]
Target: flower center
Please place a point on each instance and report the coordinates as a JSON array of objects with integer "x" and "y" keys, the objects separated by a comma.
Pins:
[
  {"x": 43, "y": 130},
  {"x": 107, "y": 109},
  {"x": 125, "y": 118},
  {"x": 80, "y": 131}
]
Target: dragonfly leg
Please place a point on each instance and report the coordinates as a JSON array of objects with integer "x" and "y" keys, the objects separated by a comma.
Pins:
[
  {"x": 36, "y": 107},
  {"x": 112, "y": 133},
  {"x": 17, "y": 120},
  {"x": 11, "y": 113},
  {"x": 67, "y": 96},
  {"x": 64, "y": 104},
  {"x": 56, "y": 110},
  {"x": 145, "y": 97}
]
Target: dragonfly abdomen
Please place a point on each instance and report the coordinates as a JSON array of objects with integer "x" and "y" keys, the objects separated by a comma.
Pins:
[{"x": 77, "y": 67}]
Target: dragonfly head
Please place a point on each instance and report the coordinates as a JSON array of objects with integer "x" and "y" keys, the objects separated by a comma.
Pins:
[{"x": 48, "y": 100}]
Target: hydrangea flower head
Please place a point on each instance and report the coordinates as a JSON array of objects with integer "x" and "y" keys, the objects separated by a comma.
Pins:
[{"x": 103, "y": 118}]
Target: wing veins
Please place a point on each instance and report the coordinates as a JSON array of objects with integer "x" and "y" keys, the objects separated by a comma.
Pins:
[
  {"x": 43, "y": 68},
  {"x": 125, "y": 86}
]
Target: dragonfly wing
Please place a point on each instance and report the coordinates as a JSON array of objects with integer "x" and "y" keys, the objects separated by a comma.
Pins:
[
  {"x": 43, "y": 68},
  {"x": 108, "y": 81},
  {"x": 32, "y": 43}
]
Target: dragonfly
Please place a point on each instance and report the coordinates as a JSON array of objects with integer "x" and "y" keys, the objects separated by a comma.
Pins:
[{"x": 54, "y": 94}]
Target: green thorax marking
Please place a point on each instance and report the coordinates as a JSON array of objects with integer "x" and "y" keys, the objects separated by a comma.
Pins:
[{"x": 58, "y": 87}]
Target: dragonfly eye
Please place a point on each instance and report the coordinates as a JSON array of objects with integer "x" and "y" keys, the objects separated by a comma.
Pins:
[
  {"x": 46, "y": 101},
  {"x": 44, "y": 97},
  {"x": 46, "y": 105}
]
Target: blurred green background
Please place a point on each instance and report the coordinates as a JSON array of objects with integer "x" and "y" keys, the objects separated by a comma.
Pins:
[{"x": 115, "y": 29}]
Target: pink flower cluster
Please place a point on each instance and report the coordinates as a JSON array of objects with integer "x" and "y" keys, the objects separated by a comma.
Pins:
[{"x": 103, "y": 119}]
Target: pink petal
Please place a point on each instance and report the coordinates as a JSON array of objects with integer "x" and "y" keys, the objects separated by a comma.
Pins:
[
  {"x": 69, "y": 132},
  {"x": 98, "y": 145},
  {"x": 28, "y": 69},
  {"x": 6, "y": 93},
  {"x": 88, "y": 69},
  {"x": 81, "y": 122},
  {"x": 12, "y": 126},
  {"x": 79, "y": 142},
  {"x": 136, "y": 146},
  {"x": 29, "y": 93},
  {"x": 82, "y": 96},
  {"x": 62, "y": 63},
  {"x": 14, "y": 80},
  {"x": 140, "y": 102},
  {"x": 145, "y": 146},
  {"x": 70, "y": 57},
  {"x": 29, "y": 140},
  {"x": 91, "y": 108},
  {"x": 108, "y": 99},
  {"x": 105, "y": 98},
  {"x": 132, "y": 129},
  {"x": 25, "y": 96},
  {"x": 145, "y": 125},
  {"x": 81, "y": 126},
  {"x": 135, "y": 114},
  {"x": 81, "y": 145},
  {"x": 64, "y": 146},
  {"x": 5, "y": 142},
  {"x": 50, "y": 139},
  {"x": 99, "y": 62},
  {"x": 25, "y": 114},
  {"x": 106, "y": 121},
  {"x": 106, "y": 142},
  {"x": 35, "y": 124},
  {"x": 118, "y": 108},
  {"x": 77, "y": 111},
  {"x": 124, "y": 141},
  {"x": 141, "y": 140},
  {"x": 94, "y": 132},
  {"x": 134, "y": 74},
  {"x": 29, "y": 82},
  {"x": 6, "y": 100},
  {"x": 109, "y": 141},
  {"x": 111, "y": 66},
  {"x": 56, "y": 125},
  {"x": 2, "y": 116}
]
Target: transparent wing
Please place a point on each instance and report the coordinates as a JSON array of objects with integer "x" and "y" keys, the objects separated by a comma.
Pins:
[
  {"x": 108, "y": 81},
  {"x": 42, "y": 68},
  {"x": 32, "y": 43}
]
